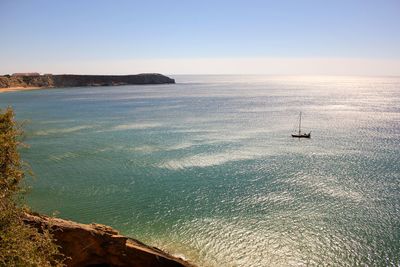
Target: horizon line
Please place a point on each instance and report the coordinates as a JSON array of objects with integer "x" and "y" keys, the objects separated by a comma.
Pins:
[{"x": 217, "y": 66}]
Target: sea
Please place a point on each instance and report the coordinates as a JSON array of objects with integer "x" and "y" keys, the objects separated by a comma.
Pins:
[{"x": 207, "y": 170}]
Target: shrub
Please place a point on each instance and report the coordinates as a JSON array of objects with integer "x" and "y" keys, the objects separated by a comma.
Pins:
[{"x": 20, "y": 244}]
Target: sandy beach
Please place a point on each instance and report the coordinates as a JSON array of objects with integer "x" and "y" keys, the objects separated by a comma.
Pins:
[{"x": 12, "y": 89}]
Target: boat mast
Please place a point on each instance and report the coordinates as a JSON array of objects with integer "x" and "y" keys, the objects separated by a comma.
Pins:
[{"x": 300, "y": 124}]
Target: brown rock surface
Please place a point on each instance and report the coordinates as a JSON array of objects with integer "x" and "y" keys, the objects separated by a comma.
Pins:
[{"x": 100, "y": 245}]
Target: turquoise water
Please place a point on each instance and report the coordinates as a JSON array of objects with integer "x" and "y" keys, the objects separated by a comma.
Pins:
[{"x": 206, "y": 168}]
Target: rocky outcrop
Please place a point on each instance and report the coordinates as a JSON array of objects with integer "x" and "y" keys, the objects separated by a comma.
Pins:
[
  {"x": 100, "y": 245},
  {"x": 69, "y": 80}
]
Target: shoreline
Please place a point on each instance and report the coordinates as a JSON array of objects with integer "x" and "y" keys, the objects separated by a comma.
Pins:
[
  {"x": 20, "y": 88},
  {"x": 29, "y": 82}
]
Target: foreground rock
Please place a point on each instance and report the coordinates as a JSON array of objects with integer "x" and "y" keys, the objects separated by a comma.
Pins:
[
  {"x": 67, "y": 80},
  {"x": 100, "y": 245}
]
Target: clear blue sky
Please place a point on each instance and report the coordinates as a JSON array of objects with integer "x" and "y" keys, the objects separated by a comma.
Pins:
[{"x": 37, "y": 34}]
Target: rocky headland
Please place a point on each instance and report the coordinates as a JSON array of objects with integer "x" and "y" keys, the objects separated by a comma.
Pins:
[
  {"x": 72, "y": 80},
  {"x": 100, "y": 245}
]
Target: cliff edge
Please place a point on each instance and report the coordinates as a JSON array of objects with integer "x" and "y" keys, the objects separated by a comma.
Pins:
[
  {"x": 100, "y": 245},
  {"x": 71, "y": 80}
]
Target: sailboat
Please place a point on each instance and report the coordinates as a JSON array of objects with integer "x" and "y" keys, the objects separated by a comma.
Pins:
[{"x": 300, "y": 134}]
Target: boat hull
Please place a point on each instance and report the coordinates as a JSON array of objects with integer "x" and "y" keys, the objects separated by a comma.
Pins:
[{"x": 302, "y": 135}]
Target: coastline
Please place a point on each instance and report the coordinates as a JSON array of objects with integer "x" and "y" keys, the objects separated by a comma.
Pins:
[
  {"x": 29, "y": 82},
  {"x": 20, "y": 88}
]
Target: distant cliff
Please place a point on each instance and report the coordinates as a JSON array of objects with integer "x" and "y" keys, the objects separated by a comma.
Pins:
[{"x": 70, "y": 80}]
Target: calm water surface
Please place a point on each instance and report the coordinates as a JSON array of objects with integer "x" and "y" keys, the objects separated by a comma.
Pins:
[{"x": 206, "y": 168}]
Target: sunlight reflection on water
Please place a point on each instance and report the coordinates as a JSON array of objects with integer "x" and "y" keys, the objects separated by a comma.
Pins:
[{"x": 207, "y": 168}]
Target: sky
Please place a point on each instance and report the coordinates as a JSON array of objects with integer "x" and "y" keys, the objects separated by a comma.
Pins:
[{"x": 311, "y": 37}]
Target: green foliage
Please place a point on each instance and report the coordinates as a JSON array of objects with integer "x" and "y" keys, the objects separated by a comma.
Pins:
[
  {"x": 11, "y": 172},
  {"x": 20, "y": 244}
]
